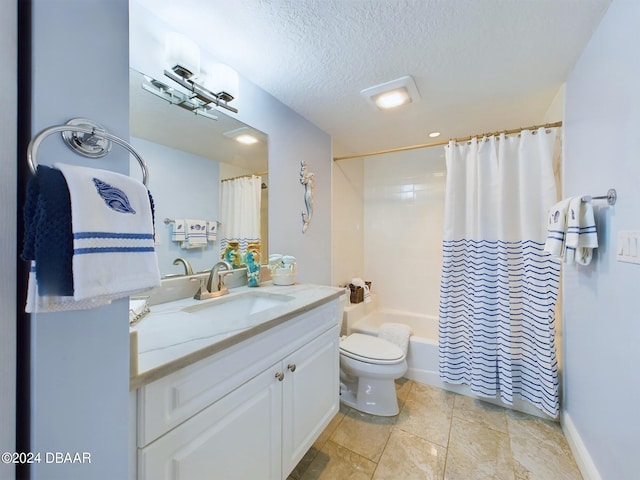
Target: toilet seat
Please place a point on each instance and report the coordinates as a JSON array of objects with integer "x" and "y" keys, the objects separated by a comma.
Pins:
[{"x": 369, "y": 349}]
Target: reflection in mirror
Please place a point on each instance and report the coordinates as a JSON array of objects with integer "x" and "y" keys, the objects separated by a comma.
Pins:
[{"x": 189, "y": 155}]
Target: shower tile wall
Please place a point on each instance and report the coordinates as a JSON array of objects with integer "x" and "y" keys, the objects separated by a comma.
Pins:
[{"x": 403, "y": 219}]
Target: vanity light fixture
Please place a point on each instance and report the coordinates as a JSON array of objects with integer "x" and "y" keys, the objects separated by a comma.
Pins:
[
  {"x": 223, "y": 79},
  {"x": 220, "y": 99},
  {"x": 175, "y": 97},
  {"x": 184, "y": 57},
  {"x": 392, "y": 94},
  {"x": 182, "y": 52}
]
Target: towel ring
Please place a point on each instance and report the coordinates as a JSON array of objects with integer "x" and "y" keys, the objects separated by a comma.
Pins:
[{"x": 95, "y": 142}]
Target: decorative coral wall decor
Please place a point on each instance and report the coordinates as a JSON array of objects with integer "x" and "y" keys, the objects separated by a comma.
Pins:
[{"x": 306, "y": 179}]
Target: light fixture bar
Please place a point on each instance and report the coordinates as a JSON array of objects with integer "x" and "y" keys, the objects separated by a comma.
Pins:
[
  {"x": 192, "y": 104},
  {"x": 203, "y": 112},
  {"x": 219, "y": 100}
]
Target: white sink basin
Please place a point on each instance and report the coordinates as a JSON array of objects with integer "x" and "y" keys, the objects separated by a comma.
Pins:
[
  {"x": 168, "y": 330},
  {"x": 239, "y": 306}
]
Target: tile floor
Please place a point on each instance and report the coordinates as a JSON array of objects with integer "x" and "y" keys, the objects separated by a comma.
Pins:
[{"x": 438, "y": 435}]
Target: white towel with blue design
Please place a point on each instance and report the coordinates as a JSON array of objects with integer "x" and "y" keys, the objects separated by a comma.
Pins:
[
  {"x": 557, "y": 229},
  {"x": 196, "y": 233},
  {"x": 178, "y": 232},
  {"x": 582, "y": 236},
  {"x": 212, "y": 230},
  {"x": 113, "y": 235}
]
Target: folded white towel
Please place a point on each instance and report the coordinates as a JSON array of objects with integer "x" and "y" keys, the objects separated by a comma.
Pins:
[
  {"x": 196, "y": 232},
  {"x": 178, "y": 231},
  {"x": 557, "y": 229},
  {"x": 112, "y": 224},
  {"x": 288, "y": 260},
  {"x": 212, "y": 231},
  {"x": 396, "y": 333},
  {"x": 582, "y": 237},
  {"x": 275, "y": 260}
]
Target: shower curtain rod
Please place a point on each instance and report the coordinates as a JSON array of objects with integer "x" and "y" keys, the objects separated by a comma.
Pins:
[
  {"x": 446, "y": 142},
  {"x": 259, "y": 174}
]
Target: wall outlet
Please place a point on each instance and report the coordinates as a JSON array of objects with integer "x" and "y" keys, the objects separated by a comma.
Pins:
[{"x": 628, "y": 249}]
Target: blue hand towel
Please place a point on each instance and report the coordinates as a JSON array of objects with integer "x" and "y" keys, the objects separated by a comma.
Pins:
[
  {"x": 112, "y": 225},
  {"x": 47, "y": 232}
]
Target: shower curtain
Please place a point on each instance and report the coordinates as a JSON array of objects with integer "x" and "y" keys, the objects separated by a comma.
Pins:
[
  {"x": 498, "y": 287},
  {"x": 240, "y": 211}
]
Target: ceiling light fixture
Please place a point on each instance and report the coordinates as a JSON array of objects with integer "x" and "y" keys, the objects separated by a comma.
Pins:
[
  {"x": 183, "y": 55},
  {"x": 434, "y": 134},
  {"x": 244, "y": 135},
  {"x": 392, "y": 94},
  {"x": 246, "y": 139}
]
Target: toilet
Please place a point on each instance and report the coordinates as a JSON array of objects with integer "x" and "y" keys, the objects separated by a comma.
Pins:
[{"x": 369, "y": 367}]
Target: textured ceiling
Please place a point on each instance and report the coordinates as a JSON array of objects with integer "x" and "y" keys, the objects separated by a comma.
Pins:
[{"x": 479, "y": 65}]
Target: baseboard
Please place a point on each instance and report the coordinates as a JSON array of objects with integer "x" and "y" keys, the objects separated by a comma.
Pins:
[{"x": 579, "y": 450}]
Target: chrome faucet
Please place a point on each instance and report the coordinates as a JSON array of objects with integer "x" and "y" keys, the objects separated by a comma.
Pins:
[
  {"x": 214, "y": 285},
  {"x": 188, "y": 269}
]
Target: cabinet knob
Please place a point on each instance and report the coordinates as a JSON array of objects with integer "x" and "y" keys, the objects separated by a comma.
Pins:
[
  {"x": 280, "y": 376},
  {"x": 292, "y": 367}
]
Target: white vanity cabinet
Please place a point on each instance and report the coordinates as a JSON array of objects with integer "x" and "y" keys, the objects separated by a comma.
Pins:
[
  {"x": 248, "y": 412},
  {"x": 310, "y": 396}
]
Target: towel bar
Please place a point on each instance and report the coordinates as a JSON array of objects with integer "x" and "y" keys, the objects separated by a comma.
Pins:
[
  {"x": 168, "y": 221},
  {"x": 94, "y": 143},
  {"x": 611, "y": 197}
]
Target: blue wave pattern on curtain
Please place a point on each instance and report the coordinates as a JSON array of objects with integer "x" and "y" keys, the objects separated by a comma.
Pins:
[
  {"x": 498, "y": 287},
  {"x": 499, "y": 298},
  {"x": 242, "y": 242}
]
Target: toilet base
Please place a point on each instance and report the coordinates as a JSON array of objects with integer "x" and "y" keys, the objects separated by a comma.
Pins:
[{"x": 370, "y": 395}]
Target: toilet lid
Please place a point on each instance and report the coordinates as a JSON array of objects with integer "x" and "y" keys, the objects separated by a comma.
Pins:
[{"x": 370, "y": 349}]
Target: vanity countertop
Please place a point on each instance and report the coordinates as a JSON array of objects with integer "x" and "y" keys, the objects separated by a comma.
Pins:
[{"x": 170, "y": 337}]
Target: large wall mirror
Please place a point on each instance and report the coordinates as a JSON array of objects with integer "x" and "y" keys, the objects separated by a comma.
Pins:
[{"x": 189, "y": 155}]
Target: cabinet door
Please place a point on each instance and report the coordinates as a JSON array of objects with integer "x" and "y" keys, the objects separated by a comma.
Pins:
[
  {"x": 236, "y": 438},
  {"x": 311, "y": 396}
]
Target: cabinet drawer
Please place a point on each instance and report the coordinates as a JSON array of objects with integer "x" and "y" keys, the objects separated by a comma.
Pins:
[{"x": 169, "y": 401}]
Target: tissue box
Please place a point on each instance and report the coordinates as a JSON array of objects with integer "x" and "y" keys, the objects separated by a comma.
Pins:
[{"x": 357, "y": 293}]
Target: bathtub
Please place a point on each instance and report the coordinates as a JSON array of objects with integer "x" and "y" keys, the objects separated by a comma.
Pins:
[{"x": 422, "y": 356}]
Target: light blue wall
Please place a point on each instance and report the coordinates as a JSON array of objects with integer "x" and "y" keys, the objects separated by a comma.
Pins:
[
  {"x": 602, "y": 301},
  {"x": 292, "y": 139},
  {"x": 80, "y": 360},
  {"x": 190, "y": 191},
  {"x": 8, "y": 257}
]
